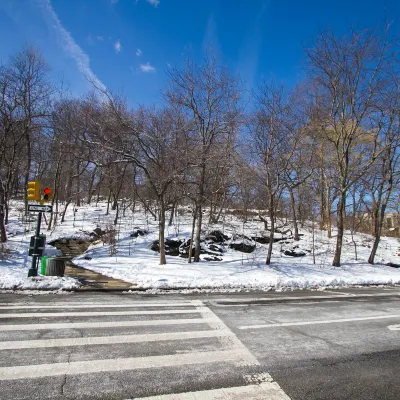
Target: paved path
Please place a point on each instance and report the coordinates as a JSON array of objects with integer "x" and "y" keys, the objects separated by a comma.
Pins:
[{"x": 94, "y": 281}]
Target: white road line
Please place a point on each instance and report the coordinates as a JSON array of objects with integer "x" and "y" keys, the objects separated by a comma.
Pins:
[
  {"x": 108, "y": 324},
  {"x": 89, "y": 341},
  {"x": 12, "y": 306},
  {"x": 255, "y": 300},
  {"x": 394, "y": 327},
  {"x": 97, "y": 313},
  {"x": 216, "y": 323},
  {"x": 121, "y": 364},
  {"x": 329, "y": 321},
  {"x": 343, "y": 293},
  {"x": 263, "y": 391}
]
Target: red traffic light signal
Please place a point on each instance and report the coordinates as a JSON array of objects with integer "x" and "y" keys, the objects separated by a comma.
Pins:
[{"x": 47, "y": 193}]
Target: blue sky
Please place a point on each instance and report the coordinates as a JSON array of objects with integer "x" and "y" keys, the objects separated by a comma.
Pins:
[{"x": 127, "y": 45}]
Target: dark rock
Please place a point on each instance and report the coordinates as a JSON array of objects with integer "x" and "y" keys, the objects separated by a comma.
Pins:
[
  {"x": 215, "y": 248},
  {"x": 261, "y": 239},
  {"x": 97, "y": 232},
  {"x": 172, "y": 247},
  {"x": 393, "y": 265},
  {"x": 293, "y": 253},
  {"x": 172, "y": 251},
  {"x": 216, "y": 237},
  {"x": 242, "y": 243},
  {"x": 139, "y": 232},
  {"x": 87, "y": 258},
  {"x": 212, "y": 258},
  {"x": 265, "y": 239},
  {"x": 173, "y": 242},
  {"x": 155, "y": 246}
]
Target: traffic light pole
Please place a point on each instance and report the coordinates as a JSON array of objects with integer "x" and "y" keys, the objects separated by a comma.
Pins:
[{"x": 33, "y": 270}]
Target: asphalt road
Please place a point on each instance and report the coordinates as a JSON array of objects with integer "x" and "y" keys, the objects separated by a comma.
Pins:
[{"x": 305, "y": 345}]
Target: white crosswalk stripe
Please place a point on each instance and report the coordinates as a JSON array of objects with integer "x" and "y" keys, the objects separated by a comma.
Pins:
[{"x": 173, "y": 334}]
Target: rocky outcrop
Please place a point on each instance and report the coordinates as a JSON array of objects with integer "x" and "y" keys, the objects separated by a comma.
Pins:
[
  {"x": 71, "y": 247},
  {"x": 242, "y": 243}
]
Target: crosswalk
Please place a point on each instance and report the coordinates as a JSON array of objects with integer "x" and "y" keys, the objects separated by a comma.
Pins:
[{"x": 136, "y": 349}]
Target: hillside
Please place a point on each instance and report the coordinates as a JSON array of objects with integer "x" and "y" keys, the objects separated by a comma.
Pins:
[{"x": 132, "y": 259}]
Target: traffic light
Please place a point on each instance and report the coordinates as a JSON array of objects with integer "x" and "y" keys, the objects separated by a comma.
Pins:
[
  {"x": 33, "y": 191},
  {"x": 46, "y": 194}
]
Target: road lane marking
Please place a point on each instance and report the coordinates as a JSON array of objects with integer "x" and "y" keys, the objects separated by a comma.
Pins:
[
  {"x": 121, "y": 364},
  {"x": 90, "y": 341},
  {"x": 107, "y": 324},
  {"x": 331, "y": 321},
  {"x": 394, "y": 327},
  {"x": 216, "y": 323},
  {"x": 12, "y": 306},
  {"x": 341, "y": 293},
  {"x": 263, "y": 391},
  {"x": 260, "y": 300},
  {"x": 97, "y": 313}
]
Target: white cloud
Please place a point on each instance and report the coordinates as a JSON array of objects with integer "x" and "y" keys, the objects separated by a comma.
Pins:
[
  {"x": 147, "y": 67},
  {"x": 70, "y": 46},
  {"x": 154, "y": 3},
  {"x": 101, "y": 38},
  {"x": 138, "y": 52},
  {"x": 117, "y": 46}
]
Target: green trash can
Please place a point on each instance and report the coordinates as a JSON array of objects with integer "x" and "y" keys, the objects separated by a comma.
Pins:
[{"x": 43, "y": 265}]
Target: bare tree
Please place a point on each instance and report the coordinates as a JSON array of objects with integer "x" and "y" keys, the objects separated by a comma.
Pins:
[
  {"x": 272, "y": 132},
  {"x": 351, "y": 73},
  {"x": 209, "y": 97}
]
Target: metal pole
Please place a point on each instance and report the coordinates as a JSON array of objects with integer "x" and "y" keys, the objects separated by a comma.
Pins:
[{"x": 33, "y": 269}]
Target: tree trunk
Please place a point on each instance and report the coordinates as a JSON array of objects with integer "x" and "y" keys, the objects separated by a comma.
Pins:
[
  {"x": 271, "y": 234},
  {"x": 65, "y": 210},
  {"x": 322, "y": 221},
  {"x": 171, "y": 217},
  {"x": 78, "y": 187},
  {"x": 161, "y": 225},
  {"x": 192, "y": 236},
  {"x": 108, "y": 202},
  {"x": 377, "y": 234},
  {"x": 379, "y": 222},
  {"x": 340, "y": 229},
  {"x": 3, "y": 234},
  {"x": 293, "y": 204},
  {"x": 6, "y": 212},
  {"x": 198, "y": 234},
  {"x": 216, "y": 220},
  {"x": 116, "y": 215},
  {"x": 90, "y": 188},
  {"x": 199, "y": 203},
  {"x": 328, "y": 216}
]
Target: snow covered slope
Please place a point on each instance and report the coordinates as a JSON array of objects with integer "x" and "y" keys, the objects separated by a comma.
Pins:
[{"x": 131, "y": 258}]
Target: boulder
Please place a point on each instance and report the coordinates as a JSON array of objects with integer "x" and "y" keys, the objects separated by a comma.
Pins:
[
  {"x": 242, "y": 243},
  {"x": 139, "y": 232},
  {"x": 173, "y": 242},
  {"x": 97, "y": 233},
  {"x": 172, "y": 246},
  {"x": 216, "y": 237},
  {"x": 294, "y": 253}
]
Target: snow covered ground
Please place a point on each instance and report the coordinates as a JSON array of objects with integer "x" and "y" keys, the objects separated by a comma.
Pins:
[
  {"x": 131, "y": 259},
  {"x": 14, "y": 260}
]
